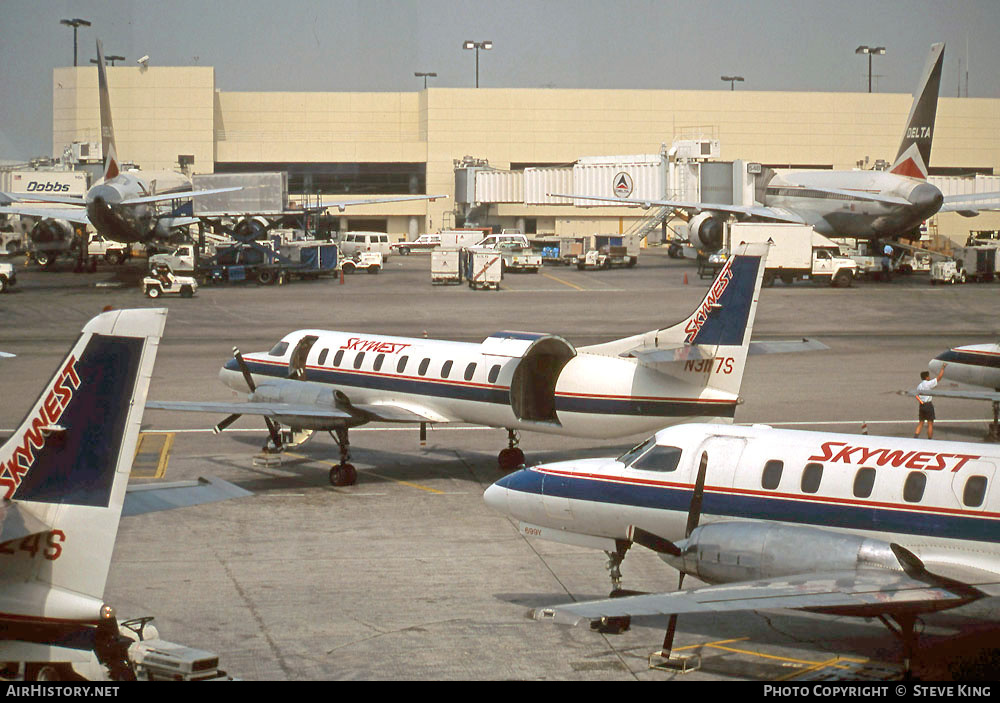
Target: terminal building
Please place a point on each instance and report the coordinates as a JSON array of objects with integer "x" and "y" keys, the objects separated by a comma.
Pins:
[{"x": 360, "y": 144}]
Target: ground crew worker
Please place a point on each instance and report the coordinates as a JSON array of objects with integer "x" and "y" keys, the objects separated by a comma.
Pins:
[{"x": 926, "y": 407}]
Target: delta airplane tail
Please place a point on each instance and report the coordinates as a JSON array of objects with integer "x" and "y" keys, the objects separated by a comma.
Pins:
[
  {"x": 63, "y": 475},
  {"x": 914, "y": 156},
  {"x": 709, "y": 347},
  {"x": 107, "y": 129}
]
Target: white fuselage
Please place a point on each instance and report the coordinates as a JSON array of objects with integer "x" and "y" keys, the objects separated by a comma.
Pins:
[
  {"x": 591, "y": 395},
  {"x": 929, "y": 495},
  {"x": 123, "y": 222},
  {"x": 842, "y": 216},
  {"x": 974, "y": 364}
]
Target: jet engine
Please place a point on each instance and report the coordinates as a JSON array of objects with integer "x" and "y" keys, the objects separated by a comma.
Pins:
[
  {"x": 706, "y": 231},
  {"x": 49, "y": 238},
  {"x": 258, "y": 226}
]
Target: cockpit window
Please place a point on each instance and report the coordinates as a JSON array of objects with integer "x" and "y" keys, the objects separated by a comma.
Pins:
[
  {"x": 279, "y": 349},
  {"x": 629, "y": 456},
  {"x": 659, "y": 458}
]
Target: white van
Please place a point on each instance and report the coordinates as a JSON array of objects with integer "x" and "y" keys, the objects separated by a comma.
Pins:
[{"x": 352, "y": 243}]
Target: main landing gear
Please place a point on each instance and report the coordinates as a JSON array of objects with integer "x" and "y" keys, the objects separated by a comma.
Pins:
[
  {"x": 344, "y": 474},
  {"x": 510, "y": 458}
]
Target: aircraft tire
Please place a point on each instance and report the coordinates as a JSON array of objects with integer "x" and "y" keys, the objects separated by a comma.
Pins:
[
  {"x": 509, "y": 459},
  {"x": 343, "y": 475}
]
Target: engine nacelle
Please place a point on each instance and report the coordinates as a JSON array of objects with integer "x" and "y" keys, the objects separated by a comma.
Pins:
[
  {"x": 724, "y": 552},
  {"x": 52, "y": 235},
  {"x": 706, "y": 231},
  {"x": 257, "y": 226}
]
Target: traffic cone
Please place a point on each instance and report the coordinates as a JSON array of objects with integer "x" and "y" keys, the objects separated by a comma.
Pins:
[
  {"x": 685, "y": 278},
  {"x": 864, "y": 428}
]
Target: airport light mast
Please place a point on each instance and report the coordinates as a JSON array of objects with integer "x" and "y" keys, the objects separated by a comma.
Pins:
[
  {"x": 880, "y": 50},
  {"x": 485, "y": 45},
  {"x": 732, "y": 81},
  {"x": 75, "y": 23},
  {"x": 425, "y": 76}
]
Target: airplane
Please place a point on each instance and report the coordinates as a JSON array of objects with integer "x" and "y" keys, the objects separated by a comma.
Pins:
[
  {"x": 63, "y": 476},
  {"x": 332, "y": 381},
  {"x": 120, "y": 206},
  {"x": 859, "y": 204},
  {"x": 973, "y": 365},
  {"x": 833, "y": 523}
]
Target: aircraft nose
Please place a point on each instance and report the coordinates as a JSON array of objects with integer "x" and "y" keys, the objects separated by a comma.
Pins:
[
  {"x": 927, "y": 197},
  {"x": 496, "y": 497}
]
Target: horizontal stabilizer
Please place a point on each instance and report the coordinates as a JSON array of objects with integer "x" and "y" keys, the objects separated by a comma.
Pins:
[
  {"x": 151, "y": 498},
  {"x": 653, "y": 355},
  {"x": 18, "y": 522}
]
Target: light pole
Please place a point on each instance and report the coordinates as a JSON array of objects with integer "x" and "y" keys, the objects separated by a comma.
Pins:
[
  {"x": 425, "y": 76},
  {"x": 880, "y": 50},
  {"x": 112, "y": 58},
  {"x": 732, "y": 81},
  {"x": 485, "y": 45},
  {"x": 74, "y": 23}
]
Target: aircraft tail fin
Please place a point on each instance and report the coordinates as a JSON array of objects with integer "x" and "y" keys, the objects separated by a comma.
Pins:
[
  {"x": 107, "y": 128},
  {"x": 914, "y": 155},
  {"x": 64, "y": 471},
  {"x": 714, "y": 340}
]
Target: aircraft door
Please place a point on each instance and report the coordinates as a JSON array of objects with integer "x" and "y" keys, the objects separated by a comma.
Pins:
[
  {"x": 533, "y": 385},
  {"x": 297, "y": 361},
  {"x": 723, "y": 457}
]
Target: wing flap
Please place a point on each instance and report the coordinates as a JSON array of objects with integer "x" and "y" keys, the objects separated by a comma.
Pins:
[
  {"x": 265, "y": 408},
  {"x": 70, "y": 214}
]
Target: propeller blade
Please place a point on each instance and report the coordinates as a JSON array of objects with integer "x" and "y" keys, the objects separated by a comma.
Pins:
[
  {"x": 668, "y": 639},
  {"x": 694, "y": 512},
  {"x": 654, "y": 542},
  {"x": 243, "y": 367},
  {"x": 226, "y": 423}
]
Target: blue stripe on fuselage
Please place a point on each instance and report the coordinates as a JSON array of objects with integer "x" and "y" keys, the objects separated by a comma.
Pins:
[
  {"x": 956, "y": 356},
  {"x": 457, "y": 390},
  {"x": 777, "y": 508}
]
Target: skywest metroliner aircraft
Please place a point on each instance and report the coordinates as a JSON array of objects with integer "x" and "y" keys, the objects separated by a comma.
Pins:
[
  {"x": 860, "y": 204},
  {"x": 833, "y": 523},
  {"x": 332, "y": 381}
]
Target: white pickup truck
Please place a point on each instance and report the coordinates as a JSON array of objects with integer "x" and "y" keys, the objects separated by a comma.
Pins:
[
  {"x": 7, "y": 276},
  {"x": 111, "y": 251},
  {"x": 514, "y": 249}
]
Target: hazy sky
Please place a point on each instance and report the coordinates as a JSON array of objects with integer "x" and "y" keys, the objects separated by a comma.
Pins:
[{"x": 331, "y": 45}]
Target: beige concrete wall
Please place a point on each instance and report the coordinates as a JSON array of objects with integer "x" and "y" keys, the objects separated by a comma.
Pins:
[{"x": 162, "y": 112}]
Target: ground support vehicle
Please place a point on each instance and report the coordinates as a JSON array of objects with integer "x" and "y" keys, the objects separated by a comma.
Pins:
[
  {"x": 12, "y": 243},
  {"x": 515, "y": 251},
  {"x": 149, "y": 658},
  {"x": 446, "y": 266},
  {"x": 797, "y": 252},
  {"x": 425, "y": 242},
  {"x": 483, "y": 268},
  {"x": 370, "y": 261},
  {"x": 605, "y": 258},
  {"x": 8, "y": 277},
  {"x": 250, "y": 260},
  {"x": 558, "y": 250},
  {"x": 161, "y": 281},
  {"x": 111, "y": 251},
  {"x": 915, "y": 262},
  {"x": 981, "y": 262},
  {"x": 947, "y": 271}
]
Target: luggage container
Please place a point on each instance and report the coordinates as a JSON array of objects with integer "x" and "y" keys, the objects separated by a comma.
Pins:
[
  {"x": 483, "y": 269},
  {"x": 446, "y": 266}
]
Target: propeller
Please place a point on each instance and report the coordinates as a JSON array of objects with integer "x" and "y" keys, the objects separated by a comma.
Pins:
[{"x": 272, "y": 426}]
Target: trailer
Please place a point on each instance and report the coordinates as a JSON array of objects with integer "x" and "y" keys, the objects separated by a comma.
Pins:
[
  {"x": 605, "y": 251},
  {"x": 980, "y": 262},
  {"x": 558, "y": 250},
  {"x": 266, "y": 262},
  {"x": 483, "y": 268},
  {"x": 446, "y": 266}
]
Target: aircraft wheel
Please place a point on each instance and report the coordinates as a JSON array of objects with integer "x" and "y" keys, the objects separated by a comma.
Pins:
[
  {"x": 343, "y": 475},
  {"x": 186, "y": 292},
  {"x": 509, "y": 459}
]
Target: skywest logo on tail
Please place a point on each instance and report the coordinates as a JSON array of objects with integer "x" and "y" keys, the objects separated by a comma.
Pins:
[
  {"x": 12, "y": 470},
  {"x": 711, "y": 301}
]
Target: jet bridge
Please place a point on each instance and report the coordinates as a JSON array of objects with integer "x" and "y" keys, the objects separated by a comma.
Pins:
[{"x": 540, "y": 360}]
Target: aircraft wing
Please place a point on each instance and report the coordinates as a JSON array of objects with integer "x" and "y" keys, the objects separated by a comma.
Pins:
[
  {"x": 864, "y": 588},
  {"x": 342, "y": 204},
  {"x": 179, "y": 195},
  {"x": 771, "y": 213},
  {"x": 71, "y": 214},
  {"x": 44, "y": 198},
  {"x": 387, "y": 412},
  {"x": 656, "y": 355},
  {"x": 993, "y": 396},
  {"x": 971, "y": 203},
  {"x": 265, "y": 408},
  {"x": 153, "y": 497}
]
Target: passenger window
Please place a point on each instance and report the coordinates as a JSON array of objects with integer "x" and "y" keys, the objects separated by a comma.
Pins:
[
  {"x": 279, "y": 349},
  {"x": 358, "y": 359},
  {"x": 494, "y": 374},
  {"x": 913, "y": 489},
  {"x": 772, "y": 474},
  {"x": 322, "y": 356},
  {"x": 338, "y": 357},
  {"x": 864, "y": 482},
  {"x": 659, "y": 458},
  {"x": 470, "y": 370},
  {"x": 975, "y": 491},
  {"x": 401, "y": 364},
  {"x": 811, "y": 477},
  {"x": 378, "y": 362},
  {"x": 446, "y": 369},
  {"x": 422, "y": 369}
]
